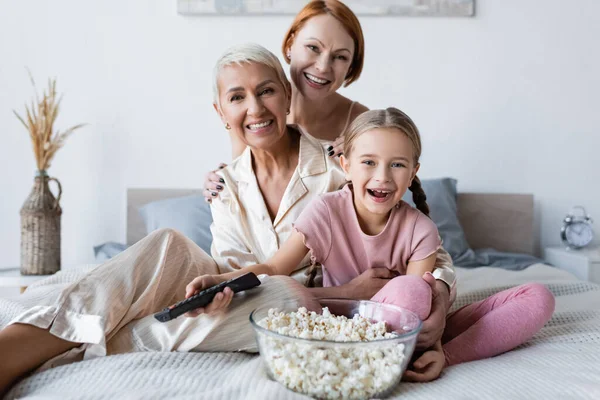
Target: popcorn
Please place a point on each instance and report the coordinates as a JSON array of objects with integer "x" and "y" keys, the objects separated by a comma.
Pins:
[{"x": 329, "y": 371}]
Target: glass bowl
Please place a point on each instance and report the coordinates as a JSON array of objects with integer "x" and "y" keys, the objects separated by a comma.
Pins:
[{"x": 339, "y": 370}]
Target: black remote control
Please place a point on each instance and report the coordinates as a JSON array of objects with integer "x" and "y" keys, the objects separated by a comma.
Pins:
[{"x": 244, "y": 282}]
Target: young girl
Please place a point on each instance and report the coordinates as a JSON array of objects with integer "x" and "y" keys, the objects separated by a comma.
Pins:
[{"x": 366, "y": 225}]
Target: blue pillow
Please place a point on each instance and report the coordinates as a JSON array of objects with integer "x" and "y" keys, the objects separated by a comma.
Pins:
[
  {"x": 441, "y": 198},
  {"x": 190, "y": 215},
  {"x": 108, "y": 250}
]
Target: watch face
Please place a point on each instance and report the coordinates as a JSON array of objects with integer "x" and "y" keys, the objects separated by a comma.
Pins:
[{"x": 579, "y": 234}]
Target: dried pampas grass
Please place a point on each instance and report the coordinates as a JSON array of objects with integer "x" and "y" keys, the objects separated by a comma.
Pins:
[{"x": 39, "y": 122}]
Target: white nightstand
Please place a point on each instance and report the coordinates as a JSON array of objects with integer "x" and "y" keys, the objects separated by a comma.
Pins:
[
  {"x": 584, "y": 263},
  {"x": 11, "y": 277}
]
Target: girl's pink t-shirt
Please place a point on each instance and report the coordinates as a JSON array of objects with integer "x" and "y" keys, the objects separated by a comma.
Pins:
[{"x": 336, "y": 241}]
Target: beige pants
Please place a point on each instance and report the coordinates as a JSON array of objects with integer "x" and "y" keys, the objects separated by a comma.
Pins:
[{"x": 110, "y": 310}]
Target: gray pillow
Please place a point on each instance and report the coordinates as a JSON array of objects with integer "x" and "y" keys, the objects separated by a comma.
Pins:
[
  {"x": 190, "y": 215},
  {"x": 441, "y": 198}
]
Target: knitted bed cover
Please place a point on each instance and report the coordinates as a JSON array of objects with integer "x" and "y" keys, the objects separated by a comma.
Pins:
[{"x": 561, "y": 361}]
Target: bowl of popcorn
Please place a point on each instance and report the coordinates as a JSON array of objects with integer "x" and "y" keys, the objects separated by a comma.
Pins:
[{"x": 341, "y": 349}]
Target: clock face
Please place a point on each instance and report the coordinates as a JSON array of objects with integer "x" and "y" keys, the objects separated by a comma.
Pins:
[{"x": 579, "y": 234}]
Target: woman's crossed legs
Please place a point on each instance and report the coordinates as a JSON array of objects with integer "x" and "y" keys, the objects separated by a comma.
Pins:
[{"x": 110, "y": 310}]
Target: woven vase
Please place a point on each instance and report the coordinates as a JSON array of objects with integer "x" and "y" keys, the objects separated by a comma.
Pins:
[{"x": 40, "y": 228}]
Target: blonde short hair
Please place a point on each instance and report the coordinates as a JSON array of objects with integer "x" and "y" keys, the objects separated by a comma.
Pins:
[{"x": 248, "y": 53}]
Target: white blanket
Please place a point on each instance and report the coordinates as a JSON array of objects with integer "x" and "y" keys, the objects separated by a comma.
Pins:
[{"x": 561, "y": 361}]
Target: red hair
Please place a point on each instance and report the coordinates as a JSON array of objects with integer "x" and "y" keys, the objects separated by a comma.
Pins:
[{"x": 347, "y": 18}]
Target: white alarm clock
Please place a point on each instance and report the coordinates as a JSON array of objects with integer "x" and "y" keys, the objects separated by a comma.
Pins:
[{"x": 577, "y": 231}]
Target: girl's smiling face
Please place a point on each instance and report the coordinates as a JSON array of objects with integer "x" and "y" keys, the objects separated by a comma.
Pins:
[
  {"x": 253, "y": 102},
  {"x": 381, "y": 167},
  {"x": 320, "y": 56}
]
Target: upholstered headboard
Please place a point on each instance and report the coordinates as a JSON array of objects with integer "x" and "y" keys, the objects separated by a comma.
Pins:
[{"x": 500, "y": 221}]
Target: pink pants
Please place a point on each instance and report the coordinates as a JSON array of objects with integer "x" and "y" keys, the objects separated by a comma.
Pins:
[{"x": 483, "y": 329}]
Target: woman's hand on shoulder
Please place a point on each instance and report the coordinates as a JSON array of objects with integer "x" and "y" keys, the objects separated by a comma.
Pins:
[
  {"x": 337, "y": 147},
  {"x": 219, "y": 302},
  {"x": 213, "y": 184}
]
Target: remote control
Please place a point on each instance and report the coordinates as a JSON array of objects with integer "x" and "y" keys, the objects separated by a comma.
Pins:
[{"x": 244, "y": 282}]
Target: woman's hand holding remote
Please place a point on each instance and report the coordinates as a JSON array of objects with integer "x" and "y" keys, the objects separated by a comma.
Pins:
[{"x": 220, "y": 301}]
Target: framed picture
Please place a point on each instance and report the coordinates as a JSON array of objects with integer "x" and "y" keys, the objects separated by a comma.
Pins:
[{"x": 443, "y": 8}]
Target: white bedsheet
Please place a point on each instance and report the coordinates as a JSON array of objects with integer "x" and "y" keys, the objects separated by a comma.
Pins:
[{"x": 561, "y": 362}]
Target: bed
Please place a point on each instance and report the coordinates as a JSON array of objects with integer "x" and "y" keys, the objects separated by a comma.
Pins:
[{"x": 561, "y": 361}]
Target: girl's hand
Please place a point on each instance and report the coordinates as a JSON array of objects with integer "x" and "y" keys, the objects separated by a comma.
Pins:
[
  {"x": 367, "y": 284},
  {"x": 337, "y": 148},
  {"x": 219, "y": 302},
  {"x": 213, "y": 184},
  {"x": 427, "y": 367}
]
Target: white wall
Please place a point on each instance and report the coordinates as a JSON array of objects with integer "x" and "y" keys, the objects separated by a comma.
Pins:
[{"x": 505, "y": 102}]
